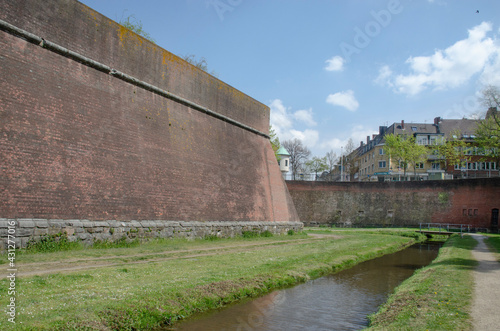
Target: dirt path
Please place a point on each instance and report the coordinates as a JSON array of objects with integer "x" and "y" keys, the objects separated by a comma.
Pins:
[
  {"x": 486, "y": 299},
  {"x": 84, "y": 263}
]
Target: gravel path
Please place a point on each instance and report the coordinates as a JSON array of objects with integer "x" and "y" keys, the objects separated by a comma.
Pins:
[{"x": 485, "y": 314}]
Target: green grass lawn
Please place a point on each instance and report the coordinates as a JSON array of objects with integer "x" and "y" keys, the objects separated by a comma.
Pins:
[
  {"x": 436, "y": 297},
  {"x": 156, "y": 283}
]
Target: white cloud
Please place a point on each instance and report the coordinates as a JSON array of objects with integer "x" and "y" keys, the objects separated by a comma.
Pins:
[
  {"x": 280, "y": 119},
  {"x": 283, "y": 123},
  {"x": 358, "y": 133},
  {"x": 336, "y": 63},
  {"x": 308, "y": 137},
  {"x": 344, "y": 99},
  {"x": 491, "y": 72},
  {"x": 305, "y": 116},
  {"x": 384, "y": 75},
  {"x": 447, "y": 68}
]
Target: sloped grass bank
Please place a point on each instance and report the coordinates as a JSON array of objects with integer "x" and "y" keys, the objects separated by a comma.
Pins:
[
  {"x": 436, "y": 297},
  {"x": 157, "y": 293},
  {"x": 493, "y": 241}
]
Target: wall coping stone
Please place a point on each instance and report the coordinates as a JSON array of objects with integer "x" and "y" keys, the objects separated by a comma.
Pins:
[
  {"x": 42, "y": 224},
  {"x": 26, "y": 223}
]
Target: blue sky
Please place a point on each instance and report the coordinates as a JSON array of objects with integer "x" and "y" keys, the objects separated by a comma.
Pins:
[{"x": 334, "y": 70}]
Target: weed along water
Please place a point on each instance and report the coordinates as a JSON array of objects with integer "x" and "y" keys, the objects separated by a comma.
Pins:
[{"x": 341, "y": 301}]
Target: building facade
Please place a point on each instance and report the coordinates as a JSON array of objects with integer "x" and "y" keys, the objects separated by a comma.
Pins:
[{"x": 371, "y": 161}]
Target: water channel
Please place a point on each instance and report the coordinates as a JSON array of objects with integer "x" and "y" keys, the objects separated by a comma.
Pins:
[{"x": 340, "y": 301}]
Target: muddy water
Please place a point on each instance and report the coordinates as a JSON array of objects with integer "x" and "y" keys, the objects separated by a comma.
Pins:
[{"x": 337, "y": 302}]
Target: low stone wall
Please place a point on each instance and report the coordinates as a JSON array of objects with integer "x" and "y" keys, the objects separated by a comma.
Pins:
[{"x": 22, "y": 230}]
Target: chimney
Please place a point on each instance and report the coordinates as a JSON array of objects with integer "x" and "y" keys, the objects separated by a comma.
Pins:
[
  {"x": 437, "y": 120},
  {"x": 360, "y": 144},
  {"x": 402, "y": 124},
  {"x": 381, "y": 130},
  {"x": 367, "y": 140}
]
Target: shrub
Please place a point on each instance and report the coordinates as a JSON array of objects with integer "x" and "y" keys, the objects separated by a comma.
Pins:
[{"x": 52, "y": 243}]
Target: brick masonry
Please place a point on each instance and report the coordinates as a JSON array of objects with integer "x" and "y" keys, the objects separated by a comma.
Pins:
[
  {"x": 467, "y": 201},
  {"x": 77, "y": 143}
]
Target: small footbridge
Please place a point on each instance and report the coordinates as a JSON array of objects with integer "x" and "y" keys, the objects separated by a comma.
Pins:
[{"x": 443, "y": 229}]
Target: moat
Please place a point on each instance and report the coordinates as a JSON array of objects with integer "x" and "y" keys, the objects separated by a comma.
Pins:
[{"x": 341, "y": 301}]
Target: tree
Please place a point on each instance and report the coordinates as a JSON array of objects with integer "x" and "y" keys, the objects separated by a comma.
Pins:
[
  {"x": 405, "y": 150},
  {"x": 452, "y": 150},
  {"x": 200, "y": 64},
  {"x": 331, "y": 161},
  {"x": 346, "y": 161},
  {"x": 317, "y": 164},
  {"x": 488, "y": 130},
  {"x": 135, "y": 25},
  {"x": 349, "y": 147},
  {"x": 490, "y": 97},
  {"x": 275, "y": 141},
  {"x": 298, "y": 154}
]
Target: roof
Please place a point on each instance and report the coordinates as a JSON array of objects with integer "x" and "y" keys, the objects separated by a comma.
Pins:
[
  {"x": 464, "y": 126},
  {"x": 282, "y": 151}
]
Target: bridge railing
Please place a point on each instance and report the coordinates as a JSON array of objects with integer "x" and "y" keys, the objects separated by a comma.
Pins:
[{"x": 445, "y": 227}]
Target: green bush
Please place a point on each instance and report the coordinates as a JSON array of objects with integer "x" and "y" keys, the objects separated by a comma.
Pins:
[
  {"x": 266, "y": 233},
  {"x": 249, "y": 234},
  {"x": 51, "y": 243}
]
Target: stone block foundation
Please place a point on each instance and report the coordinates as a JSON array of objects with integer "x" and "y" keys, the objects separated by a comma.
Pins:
[{"x": 88, "y": 231}]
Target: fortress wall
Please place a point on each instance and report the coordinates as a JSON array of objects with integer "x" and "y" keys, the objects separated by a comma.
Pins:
[
  {"x": 397, "y": 203},
  {"x": 77, "y": 143}
]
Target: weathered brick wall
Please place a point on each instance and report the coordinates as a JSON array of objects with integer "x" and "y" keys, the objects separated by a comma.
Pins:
[
  {"x": 77, "y": 143},
  {"x": 397, "y": 203}
]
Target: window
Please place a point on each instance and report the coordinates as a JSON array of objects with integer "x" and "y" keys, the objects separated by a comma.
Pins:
[
  {"x": 286, "y": 163},
  {"x": 421, "y": 140},
  {"x": 381, "y": 151},
  {"x": 464, "y": 212},
  {"x": 436, "y": 166},
  {"x": 419, "y": 165},
  {"x": 382, "y": 164},
  {"x": 471, "y": 166},
  {"x": 414, "y": 128}
]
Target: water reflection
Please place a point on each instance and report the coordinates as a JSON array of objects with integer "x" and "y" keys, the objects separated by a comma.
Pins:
[{"x": 337, "y": 302}]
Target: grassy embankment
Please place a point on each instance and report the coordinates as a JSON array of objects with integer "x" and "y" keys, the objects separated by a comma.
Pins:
[
  {"x": 436, "y": 297},
  {"x": 158, "y": 282},
  {"x": 493, "y": 242}
]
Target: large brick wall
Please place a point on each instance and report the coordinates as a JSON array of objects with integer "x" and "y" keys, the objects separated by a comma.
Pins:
[
  {"x": 78, "y": 143},
  {"x": 467, "y": 201}
]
